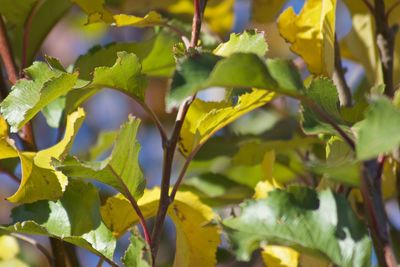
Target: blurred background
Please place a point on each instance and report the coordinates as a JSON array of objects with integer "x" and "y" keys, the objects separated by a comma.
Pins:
[{"x": 107, "y": 110}]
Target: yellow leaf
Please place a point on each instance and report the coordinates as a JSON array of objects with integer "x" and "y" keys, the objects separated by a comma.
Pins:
[
  {"x": 39, "y": 179},
  {"x": 219, "y": 14},
  {"x": 9, "y": 247},
  {"x": 3, "y": 127},
  {"x": 95, "y": 10},
  {"x": 151, "y": 19},
  {"x": 278, "y": 256},
  {"x": 197, "y": 238},
  {"x": 206, "y": 118},
  {"x": 265, "y": 11},
  {"x": 312, "y": 34}
]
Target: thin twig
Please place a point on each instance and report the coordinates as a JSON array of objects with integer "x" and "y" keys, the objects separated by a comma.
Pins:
[
  {"x": 196, "y": 25},
  {"x": 100, "y": 262},
  {"x": 135, "y": 206},
  {"x": 178, "y": 31},
  {"x": 27, "y": 30},
  {"x": 393, "y": 7},
  {"x": 165, "y": 201},
  {"x": 26, "y": 133},
  {"x": 339, "y": 78},
  {"x": 385, "y": 43},
  {"x": 36, "y": 244},
  {"x": 6, "y": 54},
  {"x": 368, "y": 5},
  {"x": 57, "y": 246}
]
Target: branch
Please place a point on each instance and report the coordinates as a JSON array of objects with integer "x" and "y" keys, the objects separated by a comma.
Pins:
[
  {"x": 196, "y": 25},
  {"x": 6, "y": 55},
  {"x": 36, "y": 244},
  {"x": 25, "y": 40},
  {"x": 165, "y": 201},
  {"x": 26, "y": 132},
  {"x": 385, "y": 43},
  {"x": 57, "y": 246},
  {"x": 339, "y": 78},
  {"x": 135, "y": 206}
]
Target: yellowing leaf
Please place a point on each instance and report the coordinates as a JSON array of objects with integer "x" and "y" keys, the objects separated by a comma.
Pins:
[
  {"x": 151, "y": 19},
  {"x": 3, "y": 127},
  {"x": 197, "y": 238},
  {"x": 39, "y": 179},
  {"x": 265, "y": 11},
  {"x": 278, "y": 256},
  {"x": 95, "y": 10},
  {"x": 206, "y": 118},
  {"x": 9, "y": 247},
  {"x": 311, "y": 34}
]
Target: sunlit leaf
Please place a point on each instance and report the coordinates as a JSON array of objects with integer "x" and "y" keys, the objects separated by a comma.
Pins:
[
  {"x": 279, "y": 256},
  {"x": 39, "y": 179},
  {"x": 151, "y": 19},
  {"x": 313, "y": 222},
  {"x": 323, "y": 93},
  {"x": 205, "y": 118},
  {"x": 120, "y": 170},
  {"x": 75, "y": 218},
  {"x": 312, "y": 34},
  {"x": 378, "y": 133},
  {"x": 206, "y": 70},
  {"x": 249, "y": 41},
  {"x": 133, "y": 256},
  {"x": 28, "y": 97},
  {"x": 197, "y": 237}
]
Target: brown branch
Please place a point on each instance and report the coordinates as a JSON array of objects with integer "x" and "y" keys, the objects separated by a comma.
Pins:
[
  {"x": 165, "y": 201},
  {"x": 134, "y": 205},
  {"x": 392, "y": 8},
  {"x": 196, "y": 25},
  {"x": 339, "y": 78},
  {"x": 369, "y": 5},
  {"x": 57, "y": 246},
  {"x": 25, "y": 40},
  {"x": 26, "y": 133},
  {"x": 6, "y": 54},
  {"x": 385, "y": 43}
]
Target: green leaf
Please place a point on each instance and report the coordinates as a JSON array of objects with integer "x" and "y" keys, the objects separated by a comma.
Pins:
[
  {"x": 16, "y": 12},
  {"x": 250, "y": 41},
  {"x": 75, "y": 218},
  {"x": 133, "y": 256},
  {"x": 322, "y": 92},
  {"x": 120, "y": 170},
  {"x": 125, "y": 76},
  {"x": 104, "y": 142},
  {"x": 28, "y": 97},
  {"x": 379, "y": 132},
  {"x": 313, "y": 222},
  {"x": 240, "y": 70}
]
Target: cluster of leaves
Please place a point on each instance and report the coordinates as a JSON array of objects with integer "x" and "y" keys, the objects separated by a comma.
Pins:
[{"x": 291, "y": 175}]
